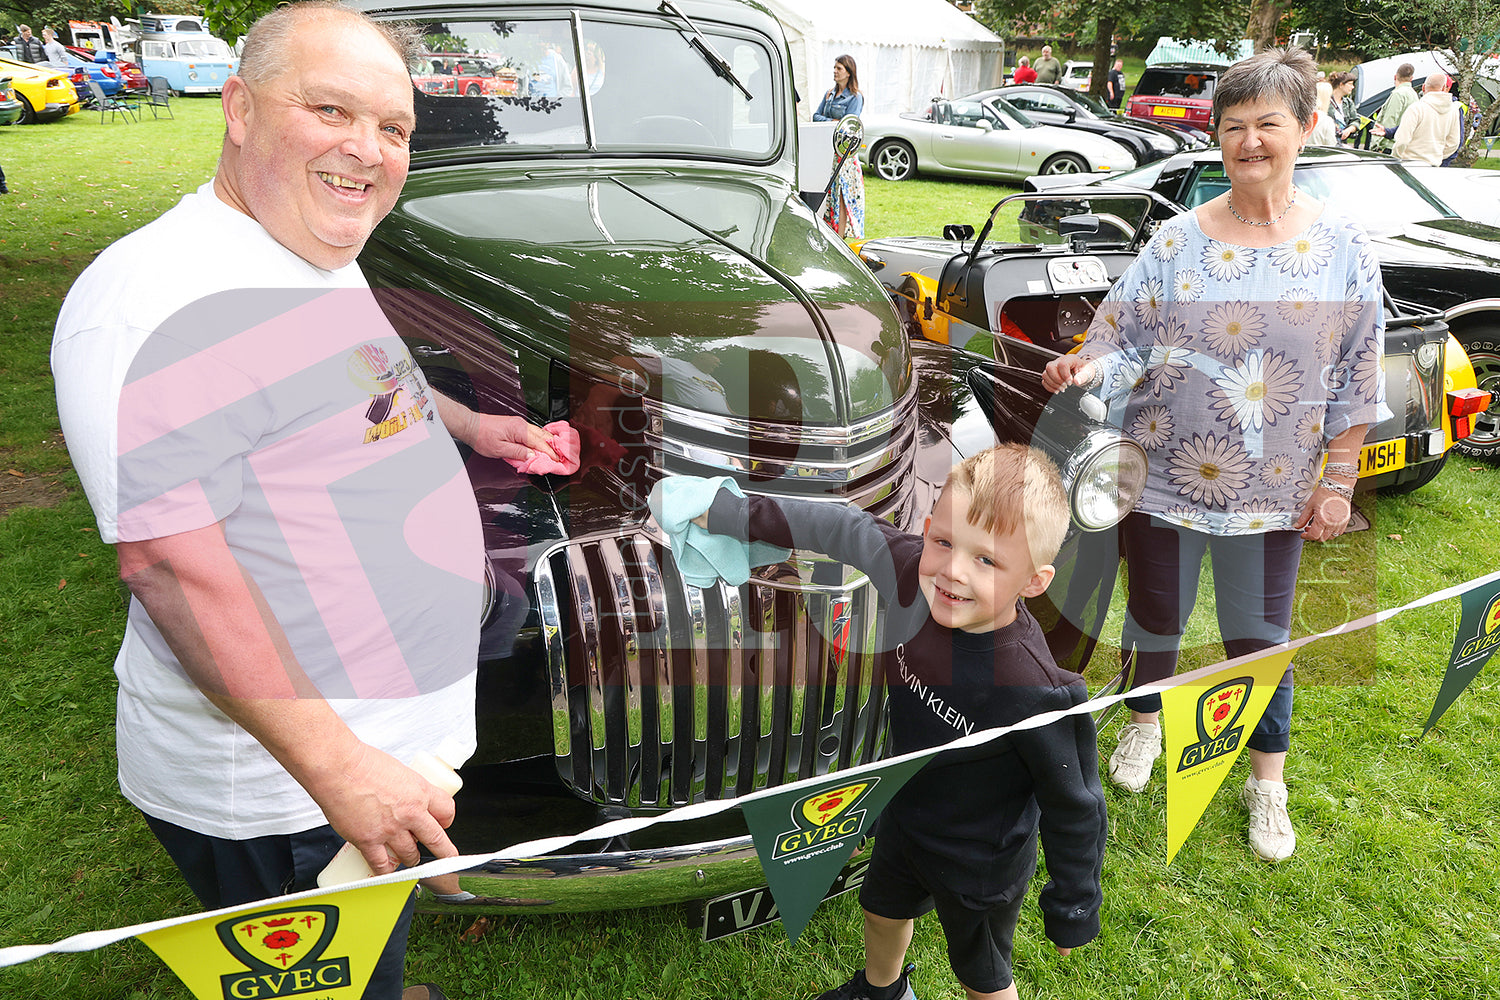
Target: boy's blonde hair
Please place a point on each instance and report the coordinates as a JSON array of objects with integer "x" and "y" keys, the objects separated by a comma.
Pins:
[{"x": 1011, "y": 487}]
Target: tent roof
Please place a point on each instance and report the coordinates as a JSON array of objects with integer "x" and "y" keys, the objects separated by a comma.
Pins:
[{"x": 894, "y": 22}]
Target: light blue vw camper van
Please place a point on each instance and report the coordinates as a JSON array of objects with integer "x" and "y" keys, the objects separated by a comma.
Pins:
[{"x": 178, "y": 49}]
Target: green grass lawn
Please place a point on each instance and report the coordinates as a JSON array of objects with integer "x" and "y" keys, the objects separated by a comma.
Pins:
[{"x": 1393, "y": 892}]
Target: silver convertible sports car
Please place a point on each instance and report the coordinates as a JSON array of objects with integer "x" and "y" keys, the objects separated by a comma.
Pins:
[{"x": 988, "y": 139}]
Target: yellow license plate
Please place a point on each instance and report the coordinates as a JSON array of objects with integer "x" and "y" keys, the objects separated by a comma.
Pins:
[
  {"x": 1386, "y": 456},
  {"x": 1163, "y": 111}
]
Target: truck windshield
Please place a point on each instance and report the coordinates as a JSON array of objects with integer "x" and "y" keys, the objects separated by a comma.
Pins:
[{"x": 630, "y": 86}]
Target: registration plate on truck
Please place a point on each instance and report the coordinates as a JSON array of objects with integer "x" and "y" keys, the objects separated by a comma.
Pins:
[
  {"x": 743, "y": 911},
  {"x": 1384, "y": 456}
]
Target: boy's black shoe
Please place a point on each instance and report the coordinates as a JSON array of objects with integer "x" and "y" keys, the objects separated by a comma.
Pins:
[{"x": 859, "y": 989}]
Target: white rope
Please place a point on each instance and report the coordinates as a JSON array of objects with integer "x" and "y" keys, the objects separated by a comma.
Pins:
[{"x": 91, "y": 940}]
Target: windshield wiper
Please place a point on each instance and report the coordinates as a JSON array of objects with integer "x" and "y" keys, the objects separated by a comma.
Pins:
[{"x": 716, "y": 62}]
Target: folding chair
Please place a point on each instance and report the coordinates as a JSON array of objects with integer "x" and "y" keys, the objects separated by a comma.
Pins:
[
  {"x": 159, "y": 96},
  {"x": 129, "y": 109}
]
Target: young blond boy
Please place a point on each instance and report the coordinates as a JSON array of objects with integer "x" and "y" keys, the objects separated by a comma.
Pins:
[{"x": 966, "y": 656}]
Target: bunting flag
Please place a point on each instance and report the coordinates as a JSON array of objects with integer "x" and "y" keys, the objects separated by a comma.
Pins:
[
  {"x": 804, "y": 836},
  {"x": 800, "y": 854},
  {"x": 324, "y": 947},
  {"x": 1478, "y": 637},
  {"x": 1225, "y": 707}
]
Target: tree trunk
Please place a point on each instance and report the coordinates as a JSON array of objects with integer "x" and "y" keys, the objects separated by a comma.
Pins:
[
  {"x": 1104, "y": 34},
  {"x": 1265, "y": 16}
]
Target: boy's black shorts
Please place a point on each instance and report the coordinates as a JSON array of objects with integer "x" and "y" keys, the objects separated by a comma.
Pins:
[{"x": 903, "y": 882}]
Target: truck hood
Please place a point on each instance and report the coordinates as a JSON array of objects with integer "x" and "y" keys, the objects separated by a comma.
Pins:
[{"x": 715, "y": 273}]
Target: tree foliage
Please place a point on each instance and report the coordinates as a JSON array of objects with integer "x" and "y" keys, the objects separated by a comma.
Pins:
[{"x": 231, "y": 19}]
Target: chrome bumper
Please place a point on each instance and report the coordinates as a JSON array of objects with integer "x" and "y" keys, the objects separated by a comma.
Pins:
[{"x": 578, "y": 883}]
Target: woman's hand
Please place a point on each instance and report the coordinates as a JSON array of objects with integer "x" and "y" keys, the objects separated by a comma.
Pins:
[
  {"x": 1070, "y": 369},
  {"x": 1325, "y": 516}
]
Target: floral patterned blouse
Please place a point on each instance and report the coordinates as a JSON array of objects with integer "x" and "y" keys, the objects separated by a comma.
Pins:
[{"x": 1234, "y": 366}]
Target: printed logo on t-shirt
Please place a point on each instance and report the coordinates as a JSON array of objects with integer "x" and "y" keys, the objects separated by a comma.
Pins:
[{"x": 398, "y": 397}]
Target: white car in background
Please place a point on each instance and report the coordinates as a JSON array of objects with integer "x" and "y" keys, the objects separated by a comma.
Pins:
[
  {"x": 1472, "y": 192},
  {"x": 986, "y": 139},
  {"x": 1076, "y": 74}
]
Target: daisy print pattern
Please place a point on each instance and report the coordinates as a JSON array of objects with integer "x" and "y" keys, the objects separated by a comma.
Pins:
[
  {"x": 1297, "y": 307},
  {"x": 1148, "y": 302},
  {"x": 1310, "y": 431},
  {"x": 1169, "y": 360},
  {"x": 1277, "y": 471},
  {"x": 1187, "y": 286},
  {"x": 1168, "y": 243},
  {"x": 1152, "y": 427},
  {"x": 1185, "y": 517},
  {"x": 1209, "y": 469},
  {"x": 1369, "y": 376},
  {"x": 1256, "y": 392},
  {"x": 1233, "y": 328},
  {"x": 1227, "y": 262},
  {"x": 1259, "y": 515},
  {"x": 1307, "y": 481},
  {"x": 1303, "y": 255}
]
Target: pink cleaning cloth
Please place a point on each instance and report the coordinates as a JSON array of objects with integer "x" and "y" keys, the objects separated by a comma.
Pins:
[{"x": 564, "y": 441}]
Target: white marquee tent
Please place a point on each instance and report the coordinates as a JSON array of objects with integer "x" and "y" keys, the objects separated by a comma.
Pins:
[{"x": 907, "y": 51}]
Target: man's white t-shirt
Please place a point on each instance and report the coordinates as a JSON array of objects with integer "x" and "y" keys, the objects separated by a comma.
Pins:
[{"x": 207, "y": 374}]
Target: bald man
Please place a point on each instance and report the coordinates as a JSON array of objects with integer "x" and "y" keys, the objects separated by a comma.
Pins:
[
  {"x": 1432, "y": 128},
  {"x": 282, "y": 491}
]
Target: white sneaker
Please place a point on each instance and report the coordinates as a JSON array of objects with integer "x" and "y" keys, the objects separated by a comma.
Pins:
[
  {"x": 1271, "y": 835},
  {"x": 1139, "y": 746}
]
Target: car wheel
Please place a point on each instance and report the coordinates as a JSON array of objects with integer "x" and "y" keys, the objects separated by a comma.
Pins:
[
  {"x": 1483, "y": 346},
  {"x": 28, "y": 116},
  {"x": 1426, "y": 473},
  {"x": 894, "y": 161},
  {"x": 472, "y": 90},
  {"x": 1065, "y": 163}
]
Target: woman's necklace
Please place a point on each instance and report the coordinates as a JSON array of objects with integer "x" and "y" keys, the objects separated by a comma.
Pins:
[{"x": 1230, "y": 202}]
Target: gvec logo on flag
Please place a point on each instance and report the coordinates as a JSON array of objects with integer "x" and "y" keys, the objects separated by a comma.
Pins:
[
  {"x": 1487, "y": 637},
  {"x": 282, "y": 951},
  {"x": 824, "y": 819},
  {"x": 1218, "y": 710}
]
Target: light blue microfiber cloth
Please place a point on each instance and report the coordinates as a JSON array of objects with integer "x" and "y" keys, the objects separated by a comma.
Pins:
[{"x": 703, "y": 557}]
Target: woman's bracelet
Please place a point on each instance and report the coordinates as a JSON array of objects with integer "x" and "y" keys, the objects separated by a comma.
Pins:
[
  {"x": 1347, "y": 492},
  {"x": 1096, "y": 380},
  {"x": 1340, "y": 469}
]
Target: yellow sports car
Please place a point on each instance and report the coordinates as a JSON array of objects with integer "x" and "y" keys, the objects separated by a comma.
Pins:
[{"x": 45, "y": 92}]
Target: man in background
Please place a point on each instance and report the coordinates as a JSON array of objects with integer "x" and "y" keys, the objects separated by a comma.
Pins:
[
  {"x": 1048, "y": 69},
  {"x": 1024, "y": 73},
  {"x": 1114, "y": 86},
  {"x": 1403, "y": 95},
  {"x": 28, "y": 47},
  {"x": 1431, "y": 129},
  {"x": 56, "y": 55}
]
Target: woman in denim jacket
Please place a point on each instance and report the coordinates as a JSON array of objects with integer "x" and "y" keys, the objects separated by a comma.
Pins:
[{"x": 845, "y": 211}]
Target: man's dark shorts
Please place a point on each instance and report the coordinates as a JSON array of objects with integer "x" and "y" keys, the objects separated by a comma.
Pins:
[
  {"x": 979, "y": 924},
  {"x": 228, "y": 872}
]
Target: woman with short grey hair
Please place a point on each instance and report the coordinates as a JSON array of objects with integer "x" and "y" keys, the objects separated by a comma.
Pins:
[{"x": 1243, "y": 351}]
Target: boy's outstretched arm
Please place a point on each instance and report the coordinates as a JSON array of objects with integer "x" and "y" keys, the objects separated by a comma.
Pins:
[{"x": 1063, "y": 761}]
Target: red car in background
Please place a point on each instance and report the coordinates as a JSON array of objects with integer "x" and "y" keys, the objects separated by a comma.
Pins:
[
  {"x": 460, "y": 74},
  {"x": 1178, "y": 94},
  {"x": 130, "y": 74}
]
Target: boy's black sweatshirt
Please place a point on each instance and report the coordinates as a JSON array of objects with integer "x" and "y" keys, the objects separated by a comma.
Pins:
[{"x": 974, "y": 812}]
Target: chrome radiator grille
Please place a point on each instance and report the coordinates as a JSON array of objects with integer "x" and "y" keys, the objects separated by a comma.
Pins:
[{"x": 664, "y": 693}]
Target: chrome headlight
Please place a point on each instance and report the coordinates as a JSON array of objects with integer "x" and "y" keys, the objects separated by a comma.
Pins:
[
  {"x": 1428, "y": 356},
  {"x": 1105, "y": 476}
]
